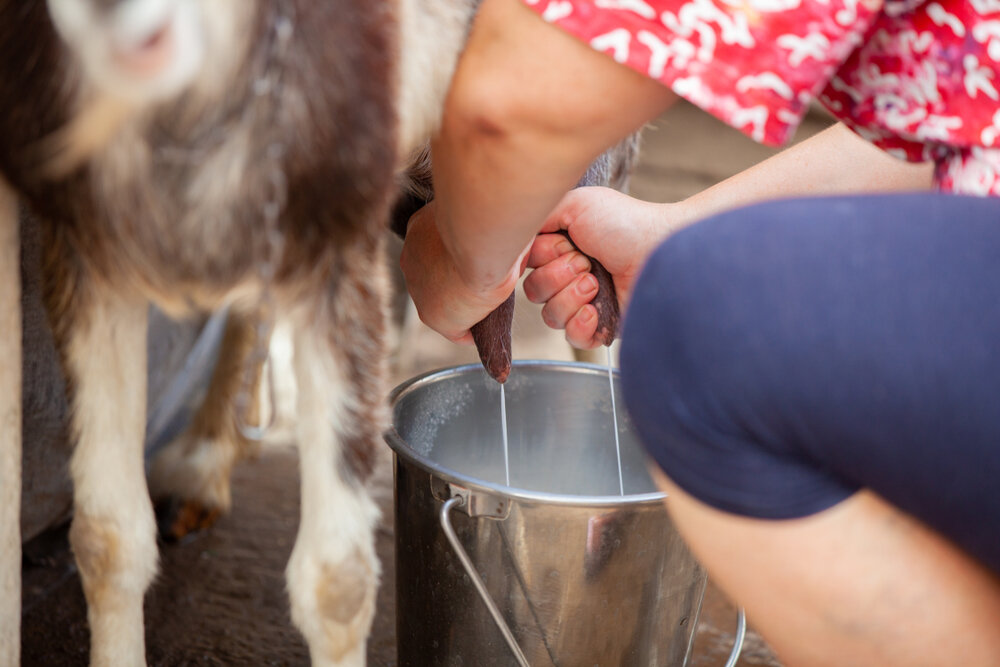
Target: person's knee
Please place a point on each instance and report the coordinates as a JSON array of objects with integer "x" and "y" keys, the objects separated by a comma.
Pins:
[
  {"x": 707, "y": 357},
  {"x": 690, "y": 315},
  {"x": 680, "y": 334}
]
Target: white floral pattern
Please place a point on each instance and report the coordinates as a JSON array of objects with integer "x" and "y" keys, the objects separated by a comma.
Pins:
[{"x": 919, "y": 78}]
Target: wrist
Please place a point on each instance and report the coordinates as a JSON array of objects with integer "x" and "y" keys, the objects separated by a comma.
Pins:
[
  {"x": 675, "y": 216},
  {"x": 481, "y": 277},
  {"x": 663, "y": 220},
  {"x": 486, "y": 272},
  {"x": 487, "y": 289}
]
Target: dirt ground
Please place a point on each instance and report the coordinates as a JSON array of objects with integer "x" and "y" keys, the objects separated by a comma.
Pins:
[{"x": 220, "y": 596}]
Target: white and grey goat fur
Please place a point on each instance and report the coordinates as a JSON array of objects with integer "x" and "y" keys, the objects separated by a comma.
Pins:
[
  {"x": 256, "y": 173},
  {"x": 260, "y": 172}
]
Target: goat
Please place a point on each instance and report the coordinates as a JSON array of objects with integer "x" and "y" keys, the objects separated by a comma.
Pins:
[
  {"x": 239, "y": 153},
  {"x": 200, "y": 154}
]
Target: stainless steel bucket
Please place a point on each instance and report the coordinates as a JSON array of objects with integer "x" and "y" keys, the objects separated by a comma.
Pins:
[{"x": 558, "y": 568}]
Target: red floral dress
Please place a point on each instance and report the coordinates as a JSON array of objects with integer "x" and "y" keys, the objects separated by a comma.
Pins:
[{"x": 919, "y": 78}]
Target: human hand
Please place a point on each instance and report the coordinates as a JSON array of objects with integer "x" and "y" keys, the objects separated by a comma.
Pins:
[
  {"x": 613, "y": 228},
  {"x": 444, "y": 300}
]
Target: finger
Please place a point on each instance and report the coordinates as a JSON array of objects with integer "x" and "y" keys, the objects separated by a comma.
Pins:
[
  {"x": 550, "y": 279},
  {"x": 462, "y": 339},
  {"x": 582, "y": 327},
  {"x": 564, "y": 305},
  {"x": 548, "y": 247}
]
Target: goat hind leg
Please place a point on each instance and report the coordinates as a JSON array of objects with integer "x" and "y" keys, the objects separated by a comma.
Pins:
[
  {"x": 10, "y": 431},
  {"x": 190, "y": 478},
  {"x": 333, "y": 572},
  {"x": 113, "y": 533}
]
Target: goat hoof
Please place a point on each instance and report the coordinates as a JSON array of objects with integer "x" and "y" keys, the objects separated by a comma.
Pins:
[{"x": 177, "y": 519}]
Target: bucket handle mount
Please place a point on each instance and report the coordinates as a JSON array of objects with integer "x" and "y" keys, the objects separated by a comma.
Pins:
[{"x": 459, "y": 498}]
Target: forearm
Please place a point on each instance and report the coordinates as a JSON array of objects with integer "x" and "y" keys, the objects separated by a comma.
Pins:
[
  {"x": 528, "y": 110},
  {"x": 835, "y": 161}
]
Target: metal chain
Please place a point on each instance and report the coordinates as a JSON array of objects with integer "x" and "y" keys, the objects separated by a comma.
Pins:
[{"x": 267, "y": 87}]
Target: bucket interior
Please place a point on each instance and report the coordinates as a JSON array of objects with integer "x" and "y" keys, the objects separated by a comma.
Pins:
[{"x": 560, "y": 428}]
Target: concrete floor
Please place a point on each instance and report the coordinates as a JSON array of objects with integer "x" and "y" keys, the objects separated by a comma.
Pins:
[{"x": 219, "y": 599}]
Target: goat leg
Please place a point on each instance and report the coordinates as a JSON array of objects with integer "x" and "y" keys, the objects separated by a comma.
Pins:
[
  {"x": 10, "y": 431},
  {"x": 189, "y": 479},
  {"x": 101, "y": 335},
  {"x": 339, "y": 370}
]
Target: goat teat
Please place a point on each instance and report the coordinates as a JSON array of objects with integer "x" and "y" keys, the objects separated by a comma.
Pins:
[{"x": 492, "y": 334}]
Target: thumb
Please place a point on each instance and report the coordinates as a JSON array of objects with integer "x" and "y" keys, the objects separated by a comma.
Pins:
[{"x": 565, "y": 212}]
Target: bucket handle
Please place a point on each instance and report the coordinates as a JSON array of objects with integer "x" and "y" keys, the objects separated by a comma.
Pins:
[
  {"x": 498, "y": 618},
  {"x": 741, "y": 633},
  {"x": 449, "y": 531}
]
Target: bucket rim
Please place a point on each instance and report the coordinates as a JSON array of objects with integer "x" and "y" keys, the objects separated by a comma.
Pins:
[{"x": 400, "y": 447}]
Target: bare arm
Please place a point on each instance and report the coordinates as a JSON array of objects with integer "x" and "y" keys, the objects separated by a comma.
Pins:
[
  {"x": 620, "y": 231},
  {"x": 835, "y": 161},
  {"x": 528, "y": 110}
]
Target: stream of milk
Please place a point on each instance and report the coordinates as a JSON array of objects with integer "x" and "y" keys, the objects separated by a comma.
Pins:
[
  {"x": 614, "y": 416},
  {"x": 503, "y": 428}
]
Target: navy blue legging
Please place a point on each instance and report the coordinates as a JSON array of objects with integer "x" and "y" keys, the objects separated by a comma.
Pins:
[{"x": 777, "y": 358}]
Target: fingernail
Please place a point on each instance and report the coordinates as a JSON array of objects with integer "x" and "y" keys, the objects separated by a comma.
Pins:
[
  {"x": 579, "y": 263},
  {"x": 586, "y": 285},
  {"x": 564, "y": 247}
]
